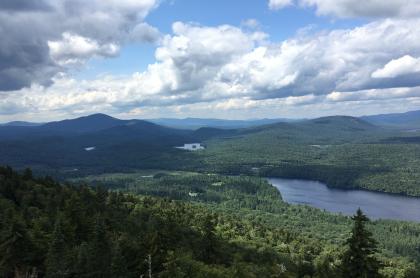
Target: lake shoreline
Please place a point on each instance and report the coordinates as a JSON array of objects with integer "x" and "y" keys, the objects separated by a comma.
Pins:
[
  {"x": 378, "y": 205},
  {"x": 402, "y": 194}
]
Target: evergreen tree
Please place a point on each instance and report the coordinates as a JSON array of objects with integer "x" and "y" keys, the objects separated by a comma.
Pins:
[
  {"x": 57, "y": 257},
  {"x": 99, "y": 250},
  {"x": 359, "y": 260},
  {"x": 81, "y": 268},
  {"x": 27, "y": 174},
  {"x": 208, "y": 246},
  {"x": 119, "y": 267},
  {"x": 173, "y": 265},
  {"x": 16, "y": 247}
]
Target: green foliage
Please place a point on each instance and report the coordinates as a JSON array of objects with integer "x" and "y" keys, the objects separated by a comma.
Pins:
[
  {"x": 57, "y": 257},
  {"x": 359, "y": 260},
  {"x": 40, "y": 234},
  {"x": 313, "y": 237},
  {"x": 341, "y": 151},
  {"x": 349, "y": 162},
  {"x": 234, "y": 227},
  {"x": 17, "y": 249}
]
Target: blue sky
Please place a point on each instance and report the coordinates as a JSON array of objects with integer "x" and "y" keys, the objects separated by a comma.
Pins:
[
  {"x": 214, "y": 59},
  {"x": 279, "y": 24}
]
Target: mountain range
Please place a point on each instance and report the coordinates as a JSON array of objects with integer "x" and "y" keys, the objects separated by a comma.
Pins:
[
  {"x": 404, "y": 120},
  {"x": 407, "y": 120},
  {"x": 105, "y": 143},
  {"x": 195, "y": 123}
]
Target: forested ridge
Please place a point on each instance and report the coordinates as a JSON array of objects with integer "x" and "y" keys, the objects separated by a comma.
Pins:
[
  {"x": 341, "y": 151},
  {"x": 377, "y": 166},
  {"x": 206, "y": 213},
  {"x": 253, "y": 198},
  {"x": 63, "y": 231},
  {"x": 54, "y": 230}
]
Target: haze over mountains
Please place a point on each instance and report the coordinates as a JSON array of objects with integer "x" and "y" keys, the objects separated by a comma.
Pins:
[
  {"x": 409, "y": 119},
  {"x": 195, "y": 123},
  {"x": 109, "y": 127},
  {"x": 98, "y": 121},
  {"x": 21, "y": 123},
  {"x": 116, "y": 143},
  {"x": 140, "y": 157}
]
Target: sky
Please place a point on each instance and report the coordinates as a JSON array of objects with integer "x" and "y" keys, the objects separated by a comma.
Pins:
[{"x": 230, "y": 59}]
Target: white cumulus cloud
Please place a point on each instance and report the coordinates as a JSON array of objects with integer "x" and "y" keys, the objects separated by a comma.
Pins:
[
  {"x": 375, "y": 94},
  {"x": 279, "y": 4},
  {"x": 75, "y": 49},
  {"x": 227, "y": 68},
  {"x": 397, "y": 67},
  {"x": 39, "y": 37}
]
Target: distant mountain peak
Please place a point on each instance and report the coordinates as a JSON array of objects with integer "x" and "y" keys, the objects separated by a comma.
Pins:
[
  {"x": 406, "y": 120},
  {"x": 343, "y": 120},
  {"x": 21, "y": 123},
  {"x": 96, "y": 116},
  {"x": 88, "y": 123}
]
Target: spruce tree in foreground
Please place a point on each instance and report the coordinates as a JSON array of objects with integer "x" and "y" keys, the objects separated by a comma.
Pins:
[
  {"x": 56, "y": 262},
  {"x": 359, "y": 260}
]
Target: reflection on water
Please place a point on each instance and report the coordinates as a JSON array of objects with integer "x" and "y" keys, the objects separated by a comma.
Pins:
[{"x": 375, "y": 204}]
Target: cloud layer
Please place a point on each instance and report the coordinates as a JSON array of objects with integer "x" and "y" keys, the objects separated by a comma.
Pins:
[
  {"x": 204, "y": 68},
  {"x": 355, "y": 8},
  {"x": 40, "y": 37},
  {"x": 228, "y": 67},
  {"x": 398, "y": 67}
]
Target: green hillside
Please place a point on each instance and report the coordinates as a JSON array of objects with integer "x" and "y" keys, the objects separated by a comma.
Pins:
[
  {"x": 407, "y": 120},
  {"x": 52, "y": 230},
  {"x": 341, "y": 151}
]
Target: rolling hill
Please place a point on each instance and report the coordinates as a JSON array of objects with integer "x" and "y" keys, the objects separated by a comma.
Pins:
[
  {"x": 74, "y": 127},
  {"x": 85, "y": 124},
  {"x": 20, "y": 123},
  {"x": 100, "y": 143},
  {"x": 331, "y": 130},
  {"x": 60, "y": 128},
  {"x": 96, "y": 141},
  {"x": 407, "y": 120},
  {"x": 196, "y": 123}
]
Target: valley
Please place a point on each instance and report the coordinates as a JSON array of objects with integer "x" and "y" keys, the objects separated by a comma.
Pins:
[
  {"x": 209, "y": 139},
  {"x": 222, "y": 171},
  {"x": 253, "y": 198},
  {"x": 343, "y": 152}
]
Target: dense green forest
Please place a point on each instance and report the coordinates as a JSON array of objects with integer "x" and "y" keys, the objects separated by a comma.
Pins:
[
  {"x": 53, "y": 230},
  {"x": 205, "y": 213},
  {"x": 253, "y": 199},
  {"x": 63, "y": 231},
  {"x": 341, "y": 151}
]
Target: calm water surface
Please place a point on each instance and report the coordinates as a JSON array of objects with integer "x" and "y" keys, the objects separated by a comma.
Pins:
[{"x": 374, "y": 204}]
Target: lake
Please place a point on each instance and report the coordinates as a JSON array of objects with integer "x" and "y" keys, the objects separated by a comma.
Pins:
[{"x": 375, "y": 205}]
